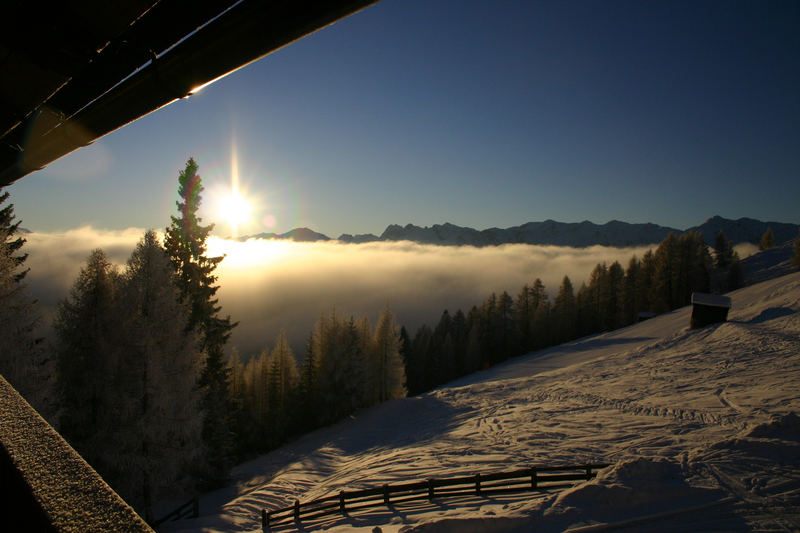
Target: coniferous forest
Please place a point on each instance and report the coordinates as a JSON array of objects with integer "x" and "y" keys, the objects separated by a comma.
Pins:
[{"x": 140, "y": 380}]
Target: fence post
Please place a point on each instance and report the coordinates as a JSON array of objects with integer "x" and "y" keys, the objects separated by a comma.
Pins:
[
  {"x": 195, "y": 507},
  {"x": 341, "y": 501},
  {"x": 297, "y": 509},
  {"x": 534, "y": 479},
  {"x": 386, "y": 495},
  {"x": 588, "y": 472},
  {"x": 478, "y": 484},
  {"x": 264, "y": 521},
  {"x": 430, "y": 489}
]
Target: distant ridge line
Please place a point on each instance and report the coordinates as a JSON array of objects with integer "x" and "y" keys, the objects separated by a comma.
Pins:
[{"x": 549, "y": 232}]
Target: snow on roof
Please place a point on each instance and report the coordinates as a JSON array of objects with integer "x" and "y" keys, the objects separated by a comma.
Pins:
[
  {"x": 714, "y": 300},
  {"x": 72, "y": 495}
]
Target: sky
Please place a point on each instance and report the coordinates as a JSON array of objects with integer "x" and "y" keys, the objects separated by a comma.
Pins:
[{"x": 477, "y": 113}]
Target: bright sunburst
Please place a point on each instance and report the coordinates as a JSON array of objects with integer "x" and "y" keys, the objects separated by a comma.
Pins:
[{"x": 234, "y": 207}]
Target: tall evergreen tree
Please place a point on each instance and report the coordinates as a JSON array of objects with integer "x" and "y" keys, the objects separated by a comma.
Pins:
[
  {"x": 666, "y": 275},
  {"x": 86, "y": 336},
  {"x": 391, "y": 374},
  {"x": 416, "y": 378},
  {"x": 10, "y": 238},
  {"x": 22, "y": 359},
  {"x": 565, "y": 311},
  {"x": 631, "y": 303},
  {"x": 723, "y": 251},
  {"x": 185, "y": 242}
]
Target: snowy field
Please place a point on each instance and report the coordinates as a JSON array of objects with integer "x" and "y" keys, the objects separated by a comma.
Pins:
[{"x": 700, "y": 426}]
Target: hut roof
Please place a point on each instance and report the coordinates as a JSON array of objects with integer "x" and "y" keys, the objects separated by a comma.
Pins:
[{"x": 713, "y": 300}]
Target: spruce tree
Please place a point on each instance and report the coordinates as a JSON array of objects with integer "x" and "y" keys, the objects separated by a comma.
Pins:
[
  {"x": 10, "y": 239},
  {"x": 723, "y": 251},
  {"x": 86, "y": 335},
  {"x": 565, "y": 311},
  {"x": 391, "y": 373},
  {"x": 22, "y": 360},
  {"x": 185, "y": 242}
]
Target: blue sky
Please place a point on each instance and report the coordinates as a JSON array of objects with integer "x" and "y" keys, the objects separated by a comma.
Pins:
[{"x": 477, "y": 113}]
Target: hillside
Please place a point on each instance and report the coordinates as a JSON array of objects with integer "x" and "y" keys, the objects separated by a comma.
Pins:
[{"x": 697, "y": 423}]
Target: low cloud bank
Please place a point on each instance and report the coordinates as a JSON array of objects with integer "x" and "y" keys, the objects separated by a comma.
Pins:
[{"x": 269, "y": 285}]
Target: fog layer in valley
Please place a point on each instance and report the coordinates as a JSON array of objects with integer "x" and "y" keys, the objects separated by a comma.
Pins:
[{"x": 269, "y": 285}]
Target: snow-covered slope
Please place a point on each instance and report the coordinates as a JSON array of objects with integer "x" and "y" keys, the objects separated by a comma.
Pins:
[{"x": 697, "y": 423}]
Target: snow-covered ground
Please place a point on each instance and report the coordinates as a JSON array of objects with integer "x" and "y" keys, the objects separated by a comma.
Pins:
[{"x": 698, "y": 424}]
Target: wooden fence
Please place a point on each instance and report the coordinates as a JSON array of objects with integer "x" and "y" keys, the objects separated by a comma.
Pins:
[
  {"x": 190, "y": 509},
  {"x": 528, "y": 479}
]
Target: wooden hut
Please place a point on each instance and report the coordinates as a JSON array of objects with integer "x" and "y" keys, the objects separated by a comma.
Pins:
[{"x": 709, "y": 309}]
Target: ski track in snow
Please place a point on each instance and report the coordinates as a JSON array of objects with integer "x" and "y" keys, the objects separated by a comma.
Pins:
[{"x": 699, "y": 401}]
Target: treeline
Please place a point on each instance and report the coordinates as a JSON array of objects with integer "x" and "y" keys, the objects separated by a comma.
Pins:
[
  {"x": 504, "y": 326},
  {"x": 347, "y": 366},
  {"x": 135, "y": 379}
]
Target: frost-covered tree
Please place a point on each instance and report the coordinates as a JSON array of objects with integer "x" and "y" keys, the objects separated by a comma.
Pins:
[
  {"x": 22, "y": 359},
  {"x": 155, "y": 434},
  {"x": 185, "y": 242},
  {"x": 11, "y": 239}
]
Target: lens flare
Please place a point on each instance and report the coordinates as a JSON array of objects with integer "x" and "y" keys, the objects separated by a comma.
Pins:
[{"x": 233, "y": 207}]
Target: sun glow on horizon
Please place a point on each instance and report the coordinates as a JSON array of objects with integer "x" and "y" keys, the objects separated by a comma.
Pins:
[{"x": 233, "y": 207}]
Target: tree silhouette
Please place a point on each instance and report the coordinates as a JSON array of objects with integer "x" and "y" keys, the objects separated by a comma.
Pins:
[{"x": 185, "y": 242}]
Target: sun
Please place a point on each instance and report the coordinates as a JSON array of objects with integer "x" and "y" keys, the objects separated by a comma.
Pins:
[{"x": 235, "y": 210}]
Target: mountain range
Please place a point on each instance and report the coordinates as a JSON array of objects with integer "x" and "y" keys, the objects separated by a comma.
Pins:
[{"x": 550, "y": 232}]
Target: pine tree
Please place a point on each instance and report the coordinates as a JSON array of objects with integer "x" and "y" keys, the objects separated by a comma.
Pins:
[
  {"x": 723, "y": 251},
  {"x": 767, "y": 240},
  {"x": 666, "y": 275},
  {"x": 22, "y": 360},
  {"x": 308, "y": 389},
  {"x": 416, "y": 378},
  {"x": 631, "y": 303},
  {"x": 459, "y": 332},
  {"x": 565, "y": 310},
  {"x": 524, "y": 309},
  {"x": 185, "y": 242},
  {"x": 10, "y": 239},
  {"x": 282, "y": 383},
  {"x": 391, "y": 374},
  {"x": 86, "y": 335}
]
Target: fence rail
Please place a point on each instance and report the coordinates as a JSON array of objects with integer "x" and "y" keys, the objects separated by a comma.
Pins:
[
  {"x": 524, "y": 480},
  {"x": 187, "y": 510}
]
